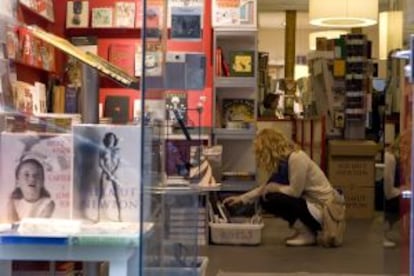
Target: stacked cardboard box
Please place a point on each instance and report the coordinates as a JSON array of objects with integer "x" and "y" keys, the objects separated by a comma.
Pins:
[{"x": 351, "y": 168}]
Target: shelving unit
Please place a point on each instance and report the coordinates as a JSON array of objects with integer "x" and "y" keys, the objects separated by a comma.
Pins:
[{"x": 238, "y": 155}]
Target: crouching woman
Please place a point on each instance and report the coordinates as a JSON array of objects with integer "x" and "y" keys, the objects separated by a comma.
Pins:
[{"x": 303, "y": 199}]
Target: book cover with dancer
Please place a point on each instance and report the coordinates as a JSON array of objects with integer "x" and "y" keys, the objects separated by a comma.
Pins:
[
  {"x": 36, "y": 176},
  {"x": 106, "y": 173}
]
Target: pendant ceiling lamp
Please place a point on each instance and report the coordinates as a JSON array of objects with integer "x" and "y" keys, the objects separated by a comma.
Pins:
[{"x": 343, "y": 13}]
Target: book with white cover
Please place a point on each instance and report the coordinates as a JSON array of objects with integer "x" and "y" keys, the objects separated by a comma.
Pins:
[
  {"x": 107, "y": 173},
  {"x": 35, "y": 176}
]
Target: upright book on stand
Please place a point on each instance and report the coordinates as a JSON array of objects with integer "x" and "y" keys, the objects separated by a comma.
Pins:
[
  {"x": 36, "y": 176},
  {"x": 106, "y": 173}
]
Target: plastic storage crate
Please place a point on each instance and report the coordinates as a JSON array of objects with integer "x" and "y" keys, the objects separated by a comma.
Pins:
[{"x": 236, "y": 233}]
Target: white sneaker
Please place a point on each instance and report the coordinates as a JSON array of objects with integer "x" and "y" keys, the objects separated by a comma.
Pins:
[
  {"x": 304, "y": 237},
  {"x": 389, "y": 243}
]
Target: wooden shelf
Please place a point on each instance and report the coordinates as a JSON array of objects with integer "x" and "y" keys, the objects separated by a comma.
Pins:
[
  {"x": 235, "y": 134},
  {"x": 105, "y": 32},
  {"x": 35, "y": 13},
  {"x": 220, "y": 82},
  {"x": 17, "y": 62}
]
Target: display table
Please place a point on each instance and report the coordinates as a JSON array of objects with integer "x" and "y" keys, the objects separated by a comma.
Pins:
[
  {"x": 123, "y": 261},
  {"x": 123, "y": 258}
]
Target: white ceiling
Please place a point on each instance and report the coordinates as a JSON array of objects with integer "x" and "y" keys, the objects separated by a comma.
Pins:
[
  {"x": 277, "y": 20},
  {"x": 300, "y": 5},
  {"x": 272, "y": 12}
]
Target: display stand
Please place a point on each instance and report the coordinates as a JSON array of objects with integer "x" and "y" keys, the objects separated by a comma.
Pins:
[
  {"x": 123, "y": 258},
  {"x": 123, "y": 261}
]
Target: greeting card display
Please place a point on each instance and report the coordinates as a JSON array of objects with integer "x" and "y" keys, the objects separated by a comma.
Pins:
[
  {"x": 77, "y": 14},
  {"x": 125, "y": 14},
  {"x": 102, "y": 17}
]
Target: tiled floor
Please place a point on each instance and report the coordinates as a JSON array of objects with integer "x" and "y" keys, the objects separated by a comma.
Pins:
[{"x": 362, "y": 253}]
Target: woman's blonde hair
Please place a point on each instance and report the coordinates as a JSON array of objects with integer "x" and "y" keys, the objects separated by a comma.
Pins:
[{"x": 271, "y": 147}]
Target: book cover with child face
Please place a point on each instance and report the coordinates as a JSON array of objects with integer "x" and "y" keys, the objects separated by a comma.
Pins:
[{"x": 36, "y": 176}]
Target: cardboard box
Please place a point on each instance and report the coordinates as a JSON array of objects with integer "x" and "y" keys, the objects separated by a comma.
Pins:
[
  {"x": 352, "y": 163},
  {"x": 359, "y": 201},
  {"x": 363, "y": 148},
  {"x": 351, "y": 171}
]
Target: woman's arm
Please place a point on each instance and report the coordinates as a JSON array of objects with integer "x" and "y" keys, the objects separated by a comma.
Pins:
[
  {"x": 253, "y": 194},
  {"x": 246, "y": 197}
]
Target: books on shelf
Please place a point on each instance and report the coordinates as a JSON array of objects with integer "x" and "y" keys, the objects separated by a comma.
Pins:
[
  {"x": 176, "y": 100},
  {"x": 12, "y": 44},
  {"x": 238, "y": 113},
  {"x": 30, "y": 50},
  {"x": 186, "y": 22},
  {"x": 138, "y": 60},
  {"x": 29, "y": 99},
  {"x": 106, "y": 176},
  {"x": 122, "y": 55},
  {"x": 77, "y": 14},
  {"x": 153, "y": 19},
  {"x": 242, "y": 63},
  {"x": 42, "y": 7},
  {"x": 154, "y": 109},
  {"x": 117, "y": 108},
  {"x": 36, "y": 176},
  {"x": 139, "y": 14},
  {"x": 222, "y": 66},
  {"x": 102, "y": 17},
  {"x": 124, "y": 14},
  {"x": 58, "y": 98},
  {"x": 101, "y": 64},
  {"x": 85, "y": 43},
  {"x": 195, "y": 71},
  {"x": 39, "y": 98},
  {"x": 71, "y": 98},
  {"x": 23, "y": 97},
  {"x": 153, "y": 59}
]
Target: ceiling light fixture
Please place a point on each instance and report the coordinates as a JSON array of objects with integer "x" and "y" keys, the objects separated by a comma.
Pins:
[{"x": 343, "y": 13}]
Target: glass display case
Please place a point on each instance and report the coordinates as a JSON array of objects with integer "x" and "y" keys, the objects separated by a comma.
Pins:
[{"x": 88, "y": 187}]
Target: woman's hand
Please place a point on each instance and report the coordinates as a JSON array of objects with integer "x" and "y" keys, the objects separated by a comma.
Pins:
[{"x": 232, "y": 200}]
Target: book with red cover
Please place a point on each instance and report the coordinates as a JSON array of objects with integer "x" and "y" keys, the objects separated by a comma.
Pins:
[{"x": 122, "y": 56}]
